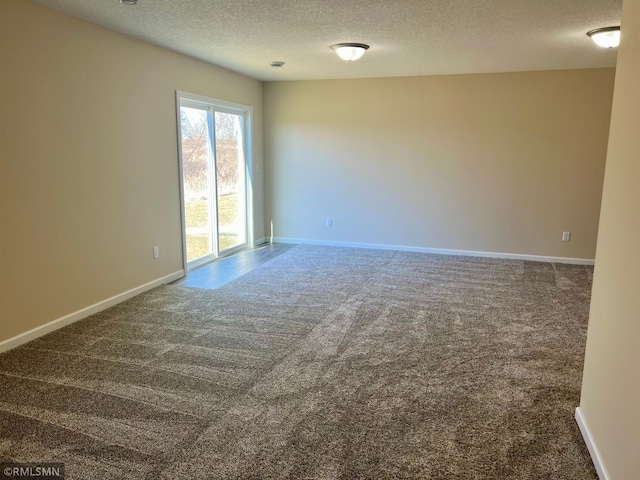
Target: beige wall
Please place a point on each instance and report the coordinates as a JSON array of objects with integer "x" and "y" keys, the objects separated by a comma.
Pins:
[
  {"x": 610, "y": 400},
  {"x": 494, "y": 162},
  {"x": 89, "y": 168}
]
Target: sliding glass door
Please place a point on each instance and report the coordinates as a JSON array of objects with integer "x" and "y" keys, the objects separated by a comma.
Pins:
[
  {"x": 230, "y": 167},
  {"x": 213, "y": 146}
]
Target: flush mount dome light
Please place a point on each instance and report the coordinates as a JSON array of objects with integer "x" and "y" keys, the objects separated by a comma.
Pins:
[
  {"x": 608, "y": 37},
  {"x": 129, "y": 2},
  {"x": 350, "y": 51}
]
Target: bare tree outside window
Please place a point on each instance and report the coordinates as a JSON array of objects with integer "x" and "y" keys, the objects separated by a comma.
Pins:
[{"x": 227, "y": 150}]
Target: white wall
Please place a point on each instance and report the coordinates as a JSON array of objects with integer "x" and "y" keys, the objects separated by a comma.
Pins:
[
  {"x": 89, "y": 161},
  {"x": 610, "y": 402},
  {"x": 493, "y": 162}
]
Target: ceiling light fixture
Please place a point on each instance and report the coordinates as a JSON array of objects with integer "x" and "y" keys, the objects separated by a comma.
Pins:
[
  {"x": 277, "y": 64},
  {"x": 608, "y": 37},
  {"x": 350, "y": 51},
  {"x": 129, "y": 2}
]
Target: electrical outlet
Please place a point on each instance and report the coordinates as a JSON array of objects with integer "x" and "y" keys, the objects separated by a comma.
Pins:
[
  {"x": 156, "y": 252},
  {"x": 329, "y": 222},
  {"x": 566, "y": 236}
]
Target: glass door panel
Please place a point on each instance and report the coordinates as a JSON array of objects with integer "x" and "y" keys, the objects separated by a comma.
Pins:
[
  {"x": 230, "y": 178},
  {"x": 198, "y": 185}
]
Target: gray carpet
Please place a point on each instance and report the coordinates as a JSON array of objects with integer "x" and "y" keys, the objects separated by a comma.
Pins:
[{"x": 324, "y": 363}]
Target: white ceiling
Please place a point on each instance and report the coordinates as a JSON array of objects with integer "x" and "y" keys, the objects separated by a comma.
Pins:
[{"x": 407, "y": 37}]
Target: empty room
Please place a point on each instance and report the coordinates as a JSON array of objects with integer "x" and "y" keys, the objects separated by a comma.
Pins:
[{"x": 309, "y": 239}]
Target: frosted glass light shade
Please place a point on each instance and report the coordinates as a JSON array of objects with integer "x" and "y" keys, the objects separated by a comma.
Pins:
[
  {"x": 608, "y": 37},
  {"x": 350, "y": 51}
]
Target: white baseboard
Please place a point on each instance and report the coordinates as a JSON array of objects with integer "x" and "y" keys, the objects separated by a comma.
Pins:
[
  {"x": 438, "y": 251},
  {"x": 591, "y": 446},
  {"x": 85, "y": 312}
]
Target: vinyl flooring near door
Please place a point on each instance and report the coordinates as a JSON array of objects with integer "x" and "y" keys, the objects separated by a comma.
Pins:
[{"x": 219, "y": 273}]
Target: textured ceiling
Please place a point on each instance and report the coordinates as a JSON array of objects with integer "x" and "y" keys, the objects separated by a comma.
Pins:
[{"x": 407, "y": 37}]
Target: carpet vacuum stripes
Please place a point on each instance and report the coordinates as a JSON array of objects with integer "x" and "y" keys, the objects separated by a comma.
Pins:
[{"x": 324, "y": 363}]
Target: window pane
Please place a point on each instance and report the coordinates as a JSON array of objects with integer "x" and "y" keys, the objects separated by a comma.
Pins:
[
  {"x": 231, "y": 181},
  {"x": 197, "y": 182}
]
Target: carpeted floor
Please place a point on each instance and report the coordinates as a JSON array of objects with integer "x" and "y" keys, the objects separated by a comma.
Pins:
[{"x": 324, "y": 363}]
